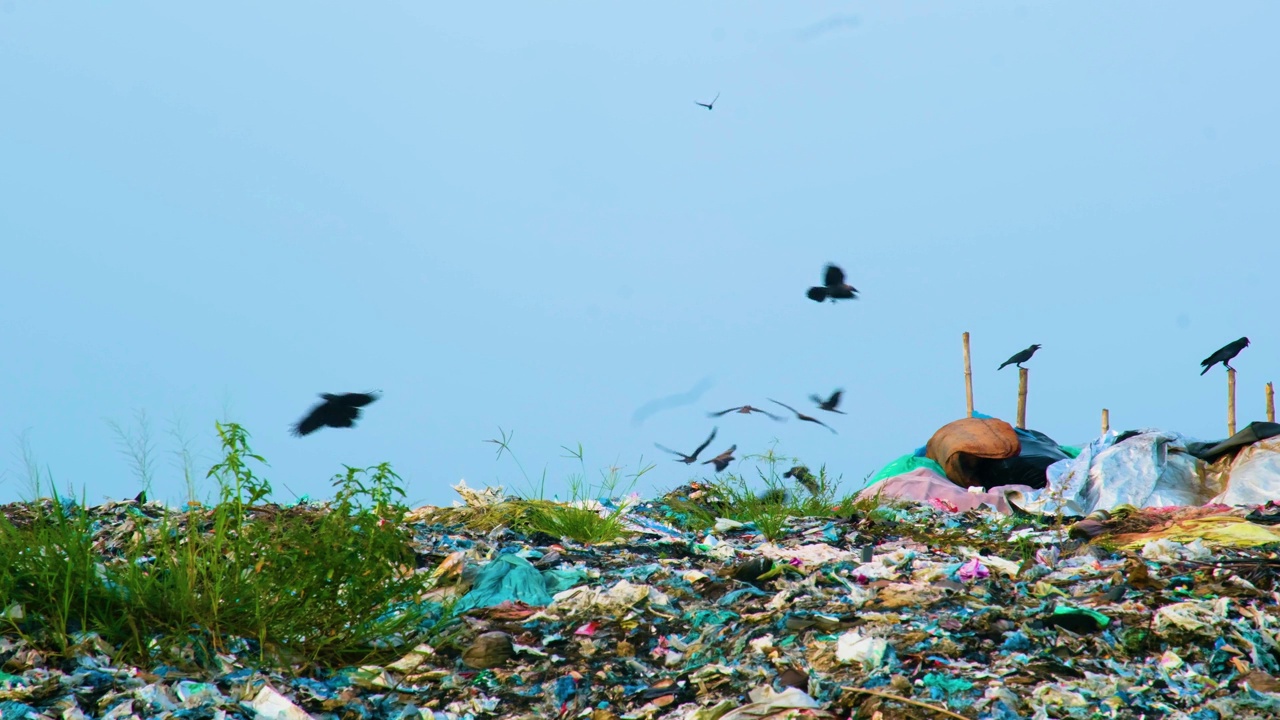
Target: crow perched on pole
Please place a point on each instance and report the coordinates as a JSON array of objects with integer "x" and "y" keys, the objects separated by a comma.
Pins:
[
  {"x": 1224, "y": 355},
  {"x": 337, "y": 411},
  {"x": 1020, "y": 357}
]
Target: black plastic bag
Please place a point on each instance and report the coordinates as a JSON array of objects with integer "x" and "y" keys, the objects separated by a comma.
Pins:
[{"x": 1038, "y": 451}]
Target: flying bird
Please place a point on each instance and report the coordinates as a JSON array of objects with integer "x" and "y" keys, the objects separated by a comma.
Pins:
[
  {"x": 690, "y": 459},
  {"x": 710, "y": 105},
  {"x": 833, "y": 286},
  {"x": 744, "y": 410},
  {"x": 1225, "y": 354},
  {"x": 1020, "y": 357},
  {"x": 805, "y": 478},
  {"x": 722, "y": 460},
  {"x": 830, "y": 403},
  {"x": 643, "y": 412},
  {"x": 337, "y": 411},
  {"x": 806, "y": 418}
]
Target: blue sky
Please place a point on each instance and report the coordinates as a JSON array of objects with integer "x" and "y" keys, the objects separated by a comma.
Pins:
[{"x": 512, "y": 214}]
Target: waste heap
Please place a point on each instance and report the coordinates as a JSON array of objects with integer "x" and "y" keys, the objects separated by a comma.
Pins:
[{"x": 904, "y": 608}]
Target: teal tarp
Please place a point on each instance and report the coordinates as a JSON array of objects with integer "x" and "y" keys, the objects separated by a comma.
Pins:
[
  {"x": 511, "y": 578},
  {"x": 906, "y": 464}
]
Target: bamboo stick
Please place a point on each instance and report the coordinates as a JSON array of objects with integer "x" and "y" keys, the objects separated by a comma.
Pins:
[
  {"x": 1231, "y": 402},
  {"x": 1271, "y": 403},
  {"x": 1106, "y": 420},
  {"x": 906, "y": 701},
  {"x": 968, "y": 379},
  {"x": 1022, "y": 398}
]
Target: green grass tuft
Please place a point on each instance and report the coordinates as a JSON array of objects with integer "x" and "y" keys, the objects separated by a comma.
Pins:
[
  {"x": 769, "y": 509},
  {"x": 581, "y": 518},
  {"x": 300, "y": 585}
]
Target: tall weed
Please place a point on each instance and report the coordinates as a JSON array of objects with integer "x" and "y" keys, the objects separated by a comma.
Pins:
[
  {"x": 584, "y": 516},
  {"x": 297, "y": 585}
]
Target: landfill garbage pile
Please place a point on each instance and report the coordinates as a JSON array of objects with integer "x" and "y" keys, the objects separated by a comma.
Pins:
[
  {"x": 984, "y": 461},
  {"x": 902, "y": 610}
]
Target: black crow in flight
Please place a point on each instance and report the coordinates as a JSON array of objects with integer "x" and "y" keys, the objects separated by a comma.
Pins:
[
  {"x": 723, "y": 459},
  {"x": 802, "y": 416},
  {"x": 805, "y": 479},
  {"x": 710, "y": 105},
  {"x": 337, "y": 411},
  {"x": 830, "y": 403},
  {"x": 744, "y": 410},
  {"x": 690, "y": 459},
  {"x": 833, "y": 287}
]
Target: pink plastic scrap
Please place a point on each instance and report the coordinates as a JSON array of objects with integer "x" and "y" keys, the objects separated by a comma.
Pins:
[
  {"x": 973, "y": 570},
  {"x": 923, "y": 485},
  {"x": 943, "y": 504}
]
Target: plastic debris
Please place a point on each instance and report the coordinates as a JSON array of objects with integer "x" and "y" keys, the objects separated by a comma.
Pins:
[
  {"x": 271, "y": 705},
  {"x": 922, "y": 610}
]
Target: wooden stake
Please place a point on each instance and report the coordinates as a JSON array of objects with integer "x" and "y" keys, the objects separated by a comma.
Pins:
[
  {"x": 906, "y": 701},
  {"x": 1231, "y": 402},
  {"x": 1022, "y": 398},
  {"x": 968, "y": 379},
  {"x": 1106, "y": 420},
  {"x": 1271, "y": 403}
]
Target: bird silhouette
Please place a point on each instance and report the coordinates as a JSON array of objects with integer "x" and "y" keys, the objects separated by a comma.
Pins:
[
  {"x": 337, "y": 411},
  {"x": 802, "y": 416},
  {"x": 722, "y": 460},
  {"x": 805, "y": 478},
  {"x": 1225, "y": 354},
  {"x": 744, "y": 410},
  {"x": 643, "y": 412},
  {"x": 1020, "y": 357},
  {"x": 710, "y": 105},
  {"x": 833, "y": 287},
  {"x": 690, "y": 459},
  {"x": 830, "y": 403}
]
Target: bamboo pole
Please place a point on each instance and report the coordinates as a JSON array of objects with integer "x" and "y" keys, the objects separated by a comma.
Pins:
[
  {"x": 1106, "y": 420},
  {"x": 904, "y": 700},
  {"x": 968, "y": 379},
  {"x": 1231, "y": 402},
  {"x": 1271, "y": 403},
  {"x": 1022, "y": 398}
]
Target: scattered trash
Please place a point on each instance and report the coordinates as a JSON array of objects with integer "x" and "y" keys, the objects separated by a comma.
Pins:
[
  {"x": 960, "y": 601},
  {"x": 870, "y": 652},
  {"x": 271, "y": 705}
]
